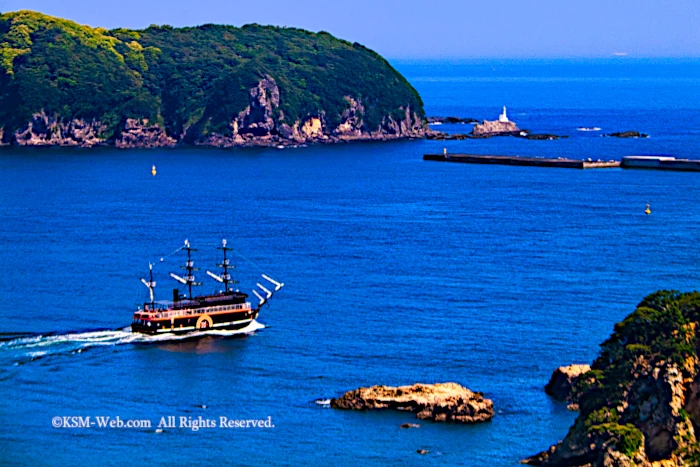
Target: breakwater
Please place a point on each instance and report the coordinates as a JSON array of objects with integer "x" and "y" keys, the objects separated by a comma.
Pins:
[{"x": 526, "y": 161}]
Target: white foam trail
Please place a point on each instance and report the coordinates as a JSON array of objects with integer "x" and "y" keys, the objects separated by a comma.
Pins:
[{"x": 39, "y": 346}]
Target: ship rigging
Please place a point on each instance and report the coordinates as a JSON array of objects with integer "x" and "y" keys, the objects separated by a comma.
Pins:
[{"x": 228, "y": 309}]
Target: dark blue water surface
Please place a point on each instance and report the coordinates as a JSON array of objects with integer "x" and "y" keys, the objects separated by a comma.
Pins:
[{"x": 397, "y": 271}]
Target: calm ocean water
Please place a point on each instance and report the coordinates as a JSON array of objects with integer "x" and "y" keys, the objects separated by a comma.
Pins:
[{"x": 397, "y": 271}]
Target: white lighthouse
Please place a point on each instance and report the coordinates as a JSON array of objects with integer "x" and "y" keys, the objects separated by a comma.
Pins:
[{"x": 503, "y": 118}]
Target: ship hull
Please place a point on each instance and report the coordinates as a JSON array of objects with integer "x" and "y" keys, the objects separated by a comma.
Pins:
[{"x": 195, "y": 322}]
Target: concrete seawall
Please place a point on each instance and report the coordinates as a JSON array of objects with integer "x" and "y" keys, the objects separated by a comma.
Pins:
[
  {"x": 523, "y": 161},
  {"x": 660, "y": 163}
]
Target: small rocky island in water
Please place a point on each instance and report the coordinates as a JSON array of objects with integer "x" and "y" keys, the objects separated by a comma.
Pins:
[
  {"x": 640, "y": 400},
  {"x": 500, "y": 127},
  {"x": 443, "y": 402},
  {"x": 209, "y": 85},
  {"x": 486, "y": 129}
]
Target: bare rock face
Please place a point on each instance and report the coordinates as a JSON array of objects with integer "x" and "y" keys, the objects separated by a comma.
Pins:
[
  {"x": 656, "y": 412},
  {"x": 352, "y": 124},
  {"x": 261, "y": 123},
  {"x": 562, "y": 382},
  {"x": 256, "y": 125},
  {"x": 140, "y": 134},
  {"x": 444, "y": 402},
  {"x": 312, "y": 128},
  {"x": 655, "y": 401},
  {"x": 495, "y": 128},
  {"x": 640, "y": 403},
  {"x": 45, "y": 130},
  {"x": 258, "y": 118}
]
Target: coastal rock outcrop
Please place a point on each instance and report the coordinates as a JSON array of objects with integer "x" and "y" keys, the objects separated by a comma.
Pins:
[
  {"x": 45, "y": 130},
  {"x": 139, "y": 133},
  {"x": 486, "y": 129},
  {"x": 639, "y": 402},
  {"x": 540, "y": 136},
  {"x": 626, "y": 134},
  {"x": 450, "y": 120},
  {"x": 351, "y": 125},
  {"x": 500, "y": 127},
  {"x": 495, "y": 128},
  {"x": 443, "y": 402},
  {"x": 262, "y": 123},
  {"x": 441, "y": 136},
  {"x": 254, "y": 125},
  {"x": 562, "y": 382}
]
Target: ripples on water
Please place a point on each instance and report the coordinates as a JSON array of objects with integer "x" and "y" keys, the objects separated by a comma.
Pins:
[
  {"x": 397, "y": 271},
  {"x": 23, "y": 347}
]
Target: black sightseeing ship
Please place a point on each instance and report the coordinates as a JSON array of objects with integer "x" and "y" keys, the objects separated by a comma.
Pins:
[{"x": 228, "y": 309}]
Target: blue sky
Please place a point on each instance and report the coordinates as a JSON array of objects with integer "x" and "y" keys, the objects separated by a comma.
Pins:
[{"x": 424, "y": 29}]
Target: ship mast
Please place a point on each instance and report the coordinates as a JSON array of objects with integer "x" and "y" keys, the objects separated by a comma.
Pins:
[
  {"x": 189, "y": 266},
  {"x": 224, "y": 278},
  {"x": 150, "y": 284}
]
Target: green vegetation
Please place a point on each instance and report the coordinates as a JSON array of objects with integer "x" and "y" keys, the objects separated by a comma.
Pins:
[
  {"x": 629, "y": 438},
  {"x": 660, "y": 329},
  {"x": 659, "y": 334},
  {"x": 188, "y": 76}
]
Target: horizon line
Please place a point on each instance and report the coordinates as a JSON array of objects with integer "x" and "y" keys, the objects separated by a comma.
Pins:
[{"x": 611, "y": 57}]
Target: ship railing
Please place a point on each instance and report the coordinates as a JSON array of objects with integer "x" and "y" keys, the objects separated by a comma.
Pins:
[
  {"x": 199, "y": 311},
  {"x": 148, "y": 308}
]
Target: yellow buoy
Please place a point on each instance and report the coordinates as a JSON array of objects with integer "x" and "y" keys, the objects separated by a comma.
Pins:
[
  {"x": 648, "y": 210},
  {"x": 153, "y": 170}
]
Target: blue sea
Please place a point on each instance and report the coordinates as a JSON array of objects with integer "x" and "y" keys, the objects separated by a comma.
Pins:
[{"x": 396, "y": 271}]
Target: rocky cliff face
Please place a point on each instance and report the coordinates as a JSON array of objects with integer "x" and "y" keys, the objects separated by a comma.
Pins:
[
  {"x": 45, "y": 130},
  {"x": 640, "y": 402},
  {"x": 561, "y": 384},
  {"x": 138, "y": 133},
  {"x": 262, "y": 123}
]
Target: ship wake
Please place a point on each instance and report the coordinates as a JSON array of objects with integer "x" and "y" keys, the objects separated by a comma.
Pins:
[{"x": 28, "y": 347}]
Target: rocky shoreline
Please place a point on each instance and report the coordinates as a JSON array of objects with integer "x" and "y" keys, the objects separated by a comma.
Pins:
[
  {"x": 260, "y": 124},
  {"x": 443, "y": 402},
  {"x": 525, "y": 134},
  {"x": 640, "y": 399},
  {"x": 563, "y": 382},
  {"x": 451, "y": 120}
]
